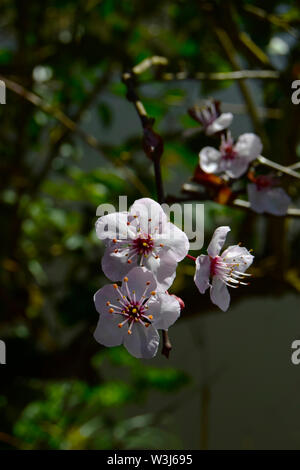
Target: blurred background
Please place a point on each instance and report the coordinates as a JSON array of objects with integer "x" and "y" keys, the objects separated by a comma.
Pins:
[{"x": 70, "y": 141}]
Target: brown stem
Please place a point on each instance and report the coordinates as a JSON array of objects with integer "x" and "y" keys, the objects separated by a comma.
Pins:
[
  {"x": 152, "y": 144},
  {"x": 158, "y": 181},
  {"x": 195, "y": 194}
]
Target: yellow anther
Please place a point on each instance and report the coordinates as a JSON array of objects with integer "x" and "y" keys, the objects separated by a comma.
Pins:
[
  {"x": 145, "y": 244},
  {"x": 126, "y": 279},
  {"x": 134, "y": 310}
]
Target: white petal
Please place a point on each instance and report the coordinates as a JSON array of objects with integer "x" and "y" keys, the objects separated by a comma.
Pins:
[
  {"x": 163, "y": 268},
  {"x": 107, "y": 332},
  {"x": 114, "y": 266},
  {"x": 221, "y": 123},
  {"x": 165, "y": 311},
  {"x": 209, "y": 160},
  {"x": 151, "y": 216},
  {"x": 238, "y": 255},
  {"x": 143, "y": 342},
  {"x": 137, "y": 281},
  {"x": 248, "y": 146},
  {"x": 202, "y": 273},
  {"x": 276, "y": 201},
  {"x": 236, "y": 167},
  {"x": 113, "y": 226},
  {"x": 256, "y": 198},
  {"x": 219, "y": 294},
  {"x": 217, "y": 241},
  {"x": 174, "y": 239}
]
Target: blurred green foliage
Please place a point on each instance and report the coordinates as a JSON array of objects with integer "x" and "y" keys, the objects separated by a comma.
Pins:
[{"x": 75, "y": 415}]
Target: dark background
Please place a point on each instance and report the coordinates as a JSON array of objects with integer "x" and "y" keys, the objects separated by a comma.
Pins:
[{"x": 229, "y": 382}]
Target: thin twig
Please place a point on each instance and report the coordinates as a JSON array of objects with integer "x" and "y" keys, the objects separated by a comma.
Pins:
[
  {"x": 52, "y": 111},
  {"x": 219, "y": 76},
  {"x": 276, "y": 166},
  {"x": 60, "y": 133},
  {"x": 195, "y": 194},
  {"x": 271, "y": 18},
  {"x": 294, "y": 166},
  {"x": 158, "y": 181},
  {"x": 149, "y": 62},
  {"x": 72, "y": 126},
  {"x": 229, "y": 50},
  {"x": 159, "y": 61}
]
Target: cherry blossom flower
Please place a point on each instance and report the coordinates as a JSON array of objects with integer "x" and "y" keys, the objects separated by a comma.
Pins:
[
  {"x": 219, "y": 271},
  {"x": 141, "y": 237},
  {"x": 132, "y": 313},
  {"x": 265, "y": 195},
  {"x": 232, "y": 158},
  {"x": 212, "y": 120}
]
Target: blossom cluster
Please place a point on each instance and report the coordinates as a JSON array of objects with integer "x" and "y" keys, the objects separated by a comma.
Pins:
[
  {"x": 142, "y": 251},
  {"x": 232, "y": 160}
]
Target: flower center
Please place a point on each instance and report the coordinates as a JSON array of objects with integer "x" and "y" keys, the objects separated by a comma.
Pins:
[
  {"x": 227, "y": 152},
  {"x": 143, "y": 245},
  {"x": 227, "y": 147},
  {"x": 131, "y": 310}
]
